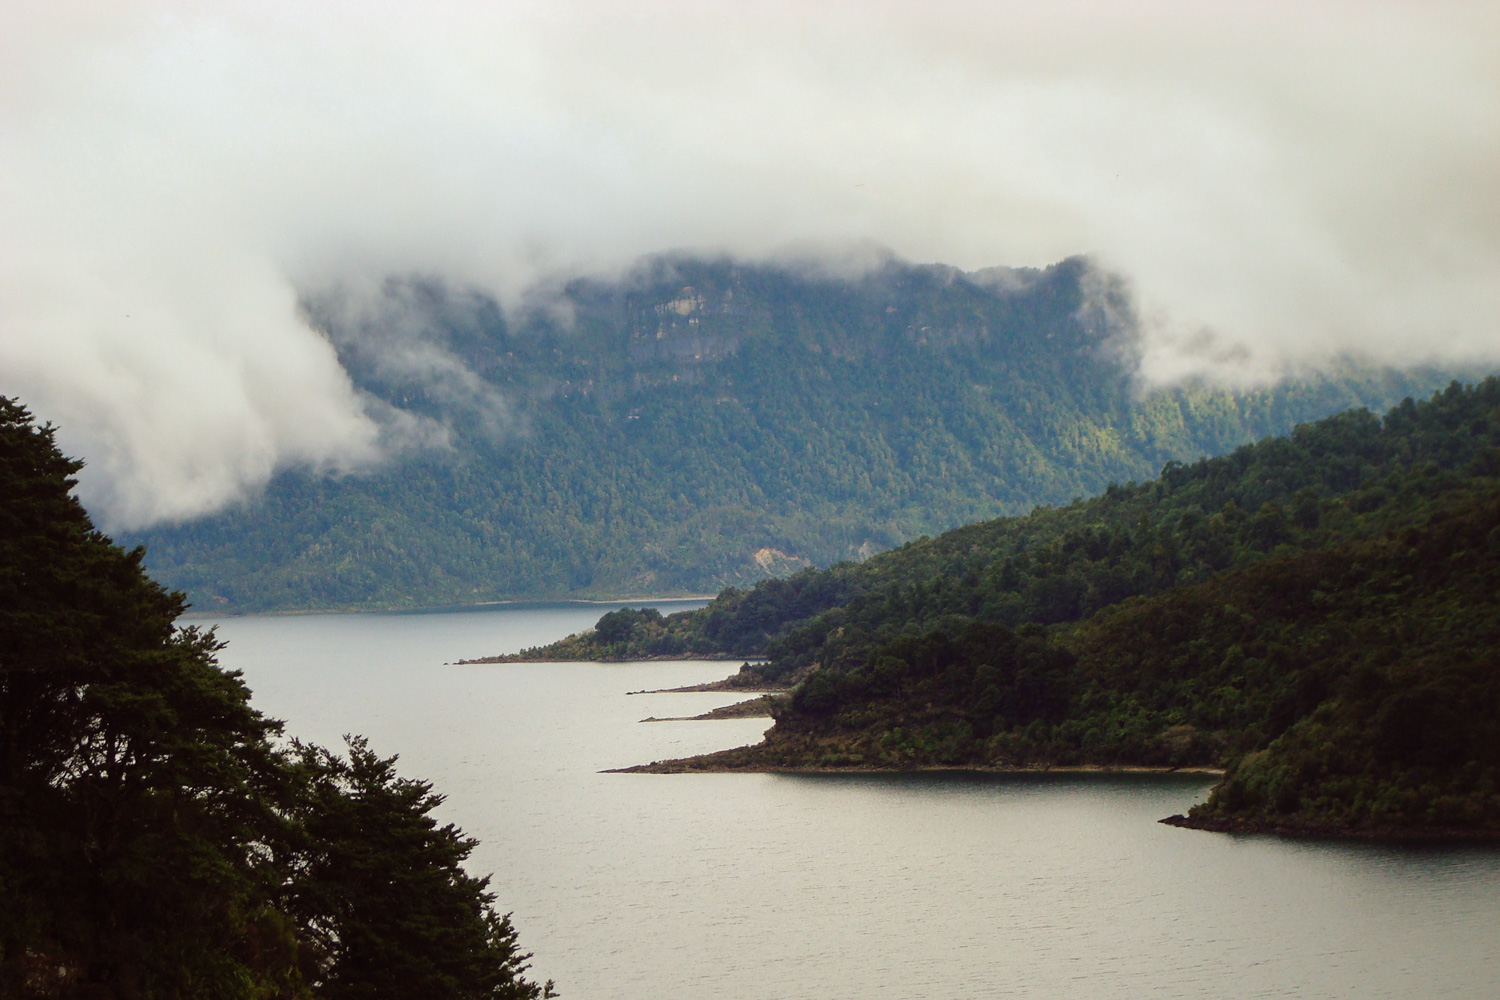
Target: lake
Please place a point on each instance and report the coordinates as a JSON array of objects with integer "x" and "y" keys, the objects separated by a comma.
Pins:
[{"x": 755, "y": 887}]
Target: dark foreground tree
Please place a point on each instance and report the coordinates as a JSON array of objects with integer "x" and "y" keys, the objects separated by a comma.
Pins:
[
  {"x": 135, "y": 779},
  {"x": 155, "y": 841},
  {"x": 384, "y": 895}
]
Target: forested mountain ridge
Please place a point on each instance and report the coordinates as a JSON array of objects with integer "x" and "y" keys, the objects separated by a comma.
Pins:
[
  {"x": 1319, "y": 614},
  {"x": 1345, "y": 477},
  {"x": 702, "y": 423}
]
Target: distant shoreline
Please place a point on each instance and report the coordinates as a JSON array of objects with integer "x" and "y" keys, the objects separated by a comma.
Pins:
[
  {"x": 539, "y": 602},
  {"x": 1291, "y": 829},
  {"x": 735, "y": 762},
  {"x": 752, "y": 708},
  {"x": 664, "y": 658},
  {"x": 706, "y": 764}
]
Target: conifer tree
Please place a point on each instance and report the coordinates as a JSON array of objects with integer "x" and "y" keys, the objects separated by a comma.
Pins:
[{"x": 383, "y": 893}]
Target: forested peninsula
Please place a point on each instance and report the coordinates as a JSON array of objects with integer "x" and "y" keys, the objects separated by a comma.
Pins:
[
  {"x": 160, "y": 838},
  {"x": 702, "y": 423},
  {"x": 1318, "y": 614}
]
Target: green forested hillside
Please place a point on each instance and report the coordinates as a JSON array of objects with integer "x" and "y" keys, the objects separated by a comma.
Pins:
[
  {"x": 1355, "y": 689},
  {"x": 699, "y": 424},
  {"x": 1318, "y": 613},
  {"x": 1345, "y": 477}
]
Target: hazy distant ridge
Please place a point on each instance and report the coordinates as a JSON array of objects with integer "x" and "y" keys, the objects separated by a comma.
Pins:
[{"x": 700, "y": 423}]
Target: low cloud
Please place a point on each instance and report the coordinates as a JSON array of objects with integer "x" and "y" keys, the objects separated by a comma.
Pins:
[
  {"x": 1281, "y": 185},
  {"x": 396, "y": 335}
]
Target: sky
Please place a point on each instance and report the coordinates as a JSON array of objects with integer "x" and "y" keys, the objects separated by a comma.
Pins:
[{"x": 1282, "y": 185}]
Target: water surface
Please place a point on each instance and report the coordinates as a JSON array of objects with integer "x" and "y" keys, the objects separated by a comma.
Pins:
[{"x": 754, "y": 887}]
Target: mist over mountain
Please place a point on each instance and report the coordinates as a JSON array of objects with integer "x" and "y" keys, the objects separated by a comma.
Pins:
[
  {"x": 1281, "y": 184},
  {"x": 697, "y": 423}
]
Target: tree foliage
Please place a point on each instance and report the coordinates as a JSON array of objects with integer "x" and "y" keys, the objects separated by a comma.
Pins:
[
  {"x": 1345, "y": 477},
  {"x": 156, "y": 840},
  {"x": 1318, "y": 613},
  {"x": 383, "y": 895}
]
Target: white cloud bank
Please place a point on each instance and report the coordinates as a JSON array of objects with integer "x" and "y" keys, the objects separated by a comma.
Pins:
[{"x": 1298, "y": 180}]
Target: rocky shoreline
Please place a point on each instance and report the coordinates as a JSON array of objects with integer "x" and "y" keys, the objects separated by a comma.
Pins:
[
  {"x": 527, "y": 656},
  {"x": 1293, "y": 829},
  {"x": 752, "y": 708},
  {"x": 784, "y": 756},
  {"x": 746, "y": 760}
]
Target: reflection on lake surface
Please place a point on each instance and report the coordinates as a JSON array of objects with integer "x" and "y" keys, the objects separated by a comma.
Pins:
[{"x": 846, "y": 886}]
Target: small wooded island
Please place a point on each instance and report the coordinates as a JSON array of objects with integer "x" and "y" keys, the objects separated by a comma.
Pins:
[{"x": 1317, "y": 614}]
